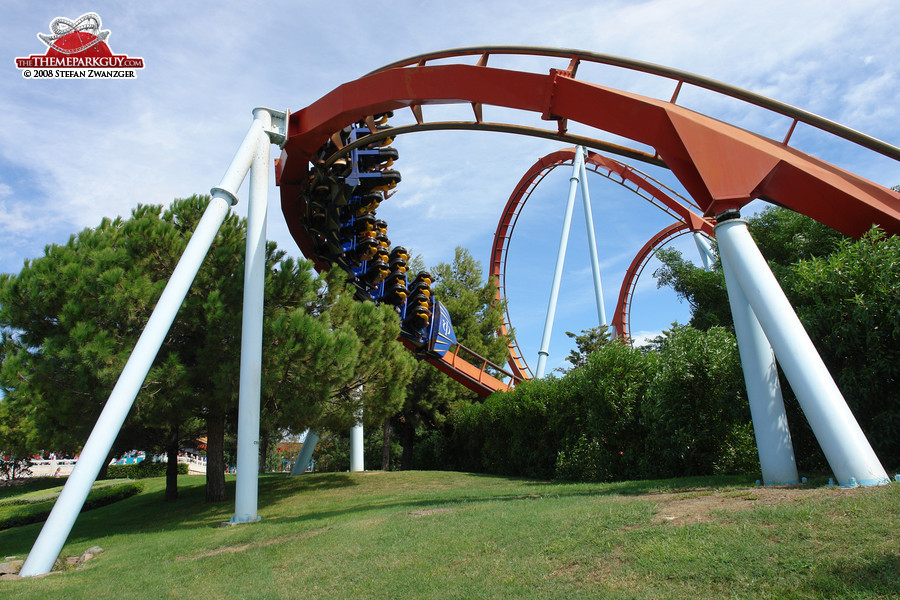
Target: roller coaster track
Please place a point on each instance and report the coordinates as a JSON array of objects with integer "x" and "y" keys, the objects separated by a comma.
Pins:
[
  {"x": 641, "y": 184},
  {"x": 722, "y": 166},
  {"x": 622, "y": 316}
]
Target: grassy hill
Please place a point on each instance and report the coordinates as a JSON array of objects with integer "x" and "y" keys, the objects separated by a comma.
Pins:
[{"x": 454, "y": 535}]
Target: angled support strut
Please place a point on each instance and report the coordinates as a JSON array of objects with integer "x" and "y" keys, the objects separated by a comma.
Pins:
[{"x": 843, "y": 442}]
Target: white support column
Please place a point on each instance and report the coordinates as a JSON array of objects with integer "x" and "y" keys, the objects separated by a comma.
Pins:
[
  {"x": 246, "y": 486},
  {"x": 845, "y": 446},
  {"x": 592, "y": 241},
  {"x": 306, "y": 453},
  {"x": 706, "y": 253},
  {"x": 357, "y": 463},
  {"x": 770, "y": 426},
  {"x": 62, "y": 517},
  {"x": 59, "y": 523},
  {"x": 544, "y": 352}
]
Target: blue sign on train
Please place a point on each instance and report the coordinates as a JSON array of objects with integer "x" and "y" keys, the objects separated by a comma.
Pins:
[{"x": 442, "y": 335}]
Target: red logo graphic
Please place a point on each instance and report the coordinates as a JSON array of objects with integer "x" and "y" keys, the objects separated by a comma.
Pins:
[{"x": 78, "y": 49}]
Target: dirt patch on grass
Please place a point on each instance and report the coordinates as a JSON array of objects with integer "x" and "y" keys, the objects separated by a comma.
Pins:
[
  {"x": 429, "y": 511},
  {"x": 248, "y": 546},
  {"x": 684, "y": 508},
  {"x": 566, "y": 570}
]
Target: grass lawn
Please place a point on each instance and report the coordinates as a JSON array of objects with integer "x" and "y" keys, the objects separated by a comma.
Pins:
[{"x": 455, "y": 535}]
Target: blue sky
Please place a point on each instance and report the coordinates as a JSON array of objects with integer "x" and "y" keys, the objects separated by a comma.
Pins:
[{"x": 72, "y": 152}]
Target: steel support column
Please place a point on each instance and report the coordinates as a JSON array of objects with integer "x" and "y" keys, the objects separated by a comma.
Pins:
[
  {"x": 592, "y": 240},
  {"x": 544, "y": 352},
  {"x": 356, "y": 448},
  {"x": 706, "y": 254},
  {"x": 770, "y": 426},
  {"x": 246, "y": 486},
  {"x": 59, "y": 523},
  {"x": 845, "y": 446},
  {"x": 306, "y": 453}
]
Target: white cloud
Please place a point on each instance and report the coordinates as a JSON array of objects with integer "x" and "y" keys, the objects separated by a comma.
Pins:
[
  {"x": 13, "y": 219},
  {"x": 642, "y": 338},
  {"x": 91, "y": 149}
]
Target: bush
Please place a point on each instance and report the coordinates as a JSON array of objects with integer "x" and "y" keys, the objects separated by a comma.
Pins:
[
  {"x": 848, "y": 302},
  {"x": 696, "y": 413},
  {"x": 602, "y": 430},
  {"x": 142, "y": 470},
  {"x": 17, "y": 511},
  {"x": 432, "y": 451},
  {"x": 509, "y": 434},
  {"x": 679, "y": 409}
]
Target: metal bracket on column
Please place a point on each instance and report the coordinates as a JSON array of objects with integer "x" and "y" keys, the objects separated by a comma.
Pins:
[
  {"x": 240, "y": 165},
  {"x": 278, "y": 131}
]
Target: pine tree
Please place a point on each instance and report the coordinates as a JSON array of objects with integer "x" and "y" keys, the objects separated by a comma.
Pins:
[
  {"x": 476, "y": 316},
  {"x": 72, "y": 317}
]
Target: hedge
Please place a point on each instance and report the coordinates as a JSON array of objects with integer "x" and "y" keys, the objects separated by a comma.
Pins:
[
  {"x": 15, "y": 514},
  {"x": 675, "y": 411},
  {"x": 142, "y": 470}
]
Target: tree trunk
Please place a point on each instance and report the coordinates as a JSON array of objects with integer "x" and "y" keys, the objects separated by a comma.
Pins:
[
  {"x": 386, "y": 445},
  {"x": 263, "y": 452},
  {"x": 215, "y": 455},
  {"x": 172, "y": 466},
  {"x": 407, "y": 437}
]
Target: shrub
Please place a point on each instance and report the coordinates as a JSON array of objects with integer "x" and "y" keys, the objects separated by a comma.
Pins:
[
  {"x": 599, "y": 412},
  {"x": 509, "y": 434},
  {"x": 849, "y": 302},
  {"x": 696, "y": 413},
  {"x": 679, "y": 409},
  {"x": 15, "y": 511},
  {"x": 142, "y": 470}
]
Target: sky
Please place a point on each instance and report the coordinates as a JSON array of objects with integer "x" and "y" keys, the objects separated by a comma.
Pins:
[{"x": 75, "y": 151}]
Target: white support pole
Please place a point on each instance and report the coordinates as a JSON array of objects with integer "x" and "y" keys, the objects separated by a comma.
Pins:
[
  {"x": 770, "y": 426},
  {"x": 845, "y": 446},
  {"x": 59, "y": 523},
  {"x": 306, "y": 453},
  {"x": 560, "y": 260},
  {"x": 357, "y": 463},
  {"x": 592, "y": 241},
  {"x": 246, "y": 486},
  {"x": 706, "y": 253}
]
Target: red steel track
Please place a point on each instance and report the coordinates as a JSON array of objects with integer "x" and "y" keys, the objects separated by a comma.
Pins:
[
  {"x": 629, "y": 177},
  {"x": 720, "y": 165}
]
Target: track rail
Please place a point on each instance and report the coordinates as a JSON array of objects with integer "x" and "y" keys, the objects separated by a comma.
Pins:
[
  {"x": 797, "y": 115},
  {"x": 622, "y": 317},
  {"x": 721, "y": 166},
  {"x": 641, "y": 184}
]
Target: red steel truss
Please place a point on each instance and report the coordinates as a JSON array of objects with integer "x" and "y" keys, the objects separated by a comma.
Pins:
[{"x": 720, "y": 165}]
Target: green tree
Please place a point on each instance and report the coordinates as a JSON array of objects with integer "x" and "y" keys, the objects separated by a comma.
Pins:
[
  {"x": 849, "y": 302},
  {"x": 335, "y": 359},
  {"x": 78, "y": 310},
  {"x": 18, "y": 440},
  {"x": 783, "y": 237},
  {"x": 703, "y": 290},
  {"x": 587, "y": 342},
  {"x": 696, "y": 413},
  {"x": 74, "y": 315},
  {"x": 476, "y": 315}
]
